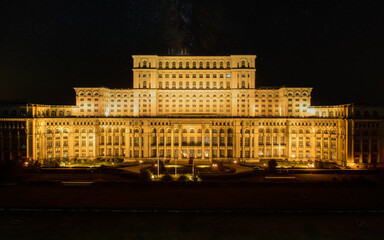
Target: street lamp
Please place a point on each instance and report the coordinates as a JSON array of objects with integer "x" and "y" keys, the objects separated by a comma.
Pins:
[{"x": 158, "y": 168}]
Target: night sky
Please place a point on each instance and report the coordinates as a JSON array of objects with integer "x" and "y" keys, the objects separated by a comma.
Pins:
[{"x": 48, "y": 47}]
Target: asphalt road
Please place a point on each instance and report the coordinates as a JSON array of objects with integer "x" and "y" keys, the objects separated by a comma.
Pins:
[{"x": 309, "y": 206}]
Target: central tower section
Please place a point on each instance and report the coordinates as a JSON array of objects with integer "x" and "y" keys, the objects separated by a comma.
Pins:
[{"x": 194, "y": 72}]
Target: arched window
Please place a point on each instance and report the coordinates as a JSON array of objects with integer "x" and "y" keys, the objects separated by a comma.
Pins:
[
  {"x": 228, "y": 64},
  {"x": 194, "y": 64},
  {"x": 160, "y": 64},
  {"x": 221, "y": 65},
  {"x": 261, "y": 130},
  {"x": 187, "y": 65},
  {"x": 161, "y": 130},
  {"x": 243, "y": 84},
  {"x": 173, "y": 64},
  {"x": 214, "y": 130},
  {"x": 214, "y": 65},
  {"x": 200, "y": 64},
  {"x": 243, "y": 64},
  {"x": 144, "y": 64},
  {"x": 206, "y": 130},
  {"x": 201, "y": 84},
  {"x": 230, "y": 130},
  {"x": 301, "y": 131},
  {"x": 176, "y": 130},
  {"x": 180, "y": 84},
  {"x": 247, "y": 131},
  {"x": 192, "y": 131},
  {"x": 193, "y": 84},
  {"x": 154, "y": 130},
  {"x": 184, "y": 130},
  {"x": 207, "y": 65},
  {"x": 221, "y": 130},
  {"x": 173, "y": 84},
  {"x": 180, "y": 64},
  {"x": 199, "y": 131},
  {"x": 166, "y": 64},
  {"x": 187, "y": 85},
  {"x": 57, "y": 131},
  {"x": 144, "y": 84}
]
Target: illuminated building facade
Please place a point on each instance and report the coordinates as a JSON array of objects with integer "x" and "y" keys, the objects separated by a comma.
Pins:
[{"x": 206, "y": 108}]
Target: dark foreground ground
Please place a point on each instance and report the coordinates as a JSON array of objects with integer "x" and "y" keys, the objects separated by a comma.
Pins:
[
  {"x": 312, "y": 206},
  {"x": 201, "y": 226}
]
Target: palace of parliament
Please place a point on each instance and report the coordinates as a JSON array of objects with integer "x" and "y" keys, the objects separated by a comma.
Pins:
[{"x": 203, "y": 107}]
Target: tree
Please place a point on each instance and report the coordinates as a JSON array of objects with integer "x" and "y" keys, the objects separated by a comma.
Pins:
[{"x": 272, "y": 166}]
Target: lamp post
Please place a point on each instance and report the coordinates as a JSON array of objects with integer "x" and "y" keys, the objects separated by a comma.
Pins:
[
  {"x": 175, "y": 167},
  {"x": 158, "y": 167}
]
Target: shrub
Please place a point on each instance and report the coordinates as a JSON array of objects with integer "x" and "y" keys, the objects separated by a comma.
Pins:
[
  {"x": 182, "y": 178},
  {"x": 145, "y": 175},
  {"x": 166, "y": 178}
]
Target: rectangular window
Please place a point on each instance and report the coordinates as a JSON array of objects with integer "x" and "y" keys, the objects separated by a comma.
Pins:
[
  {"x": 214, "y": 141},
  {"x": 206, "y": 141},
  {"x": 136, "y": 143}
]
